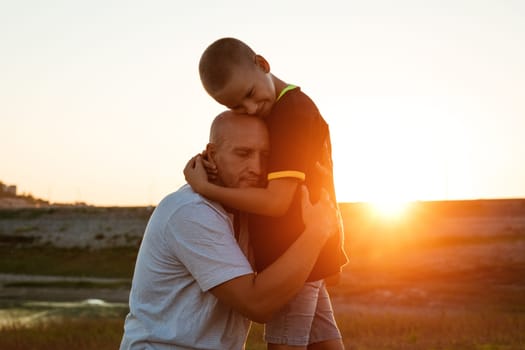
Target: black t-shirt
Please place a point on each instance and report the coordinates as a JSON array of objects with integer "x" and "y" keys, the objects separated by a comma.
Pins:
[{"x": 299, "y": 138}]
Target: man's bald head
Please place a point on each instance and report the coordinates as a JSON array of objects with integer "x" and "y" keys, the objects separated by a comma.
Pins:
[
  {"x": 239, "y": 145},
  {"x": 227, "y": 122}
]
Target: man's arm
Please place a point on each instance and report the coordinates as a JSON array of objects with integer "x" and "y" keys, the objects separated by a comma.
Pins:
[
  {"x": 273, "y": 200},
  {"x": 259, "y": 296}
]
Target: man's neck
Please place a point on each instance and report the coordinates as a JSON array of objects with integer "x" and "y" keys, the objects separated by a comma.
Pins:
[{"x": 231, "y": 210}]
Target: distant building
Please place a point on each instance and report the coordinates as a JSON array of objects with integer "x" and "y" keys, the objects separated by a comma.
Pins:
[
  {"x": 7, "y": 190},
  {"x": 11, "y": 190}
]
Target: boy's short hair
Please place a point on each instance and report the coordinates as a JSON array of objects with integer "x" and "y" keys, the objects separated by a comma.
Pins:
[{"x": 219, "y": 59}]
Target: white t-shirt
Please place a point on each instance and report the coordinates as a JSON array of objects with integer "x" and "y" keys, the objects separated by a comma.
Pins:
[{"x": 187, "y": 249}]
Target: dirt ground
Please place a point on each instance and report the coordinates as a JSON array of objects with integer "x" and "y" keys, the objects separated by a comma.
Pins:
[
  {"x": 448, "y": 277},
  {"x": 474, "y": 261}
]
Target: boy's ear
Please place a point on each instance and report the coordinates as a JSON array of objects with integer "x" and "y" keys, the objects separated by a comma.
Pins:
[{"x": 262, "y": 63}]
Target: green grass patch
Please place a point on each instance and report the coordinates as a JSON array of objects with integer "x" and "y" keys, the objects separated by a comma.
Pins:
[
  {"x": 24, "y": 213},
  {"x": 89, "y": 308},
  {"x": 68, "y": 284},
  {"x": 111, "y": 262},
  {"x": 78, "y": 334},
  {"x": 433, "y": 330},
  {"x": 25, "y": 229},
  {"x": 67, "y": 326},
  {"x": 80, "y": 326},
  {"x": 83, "y": 334}
]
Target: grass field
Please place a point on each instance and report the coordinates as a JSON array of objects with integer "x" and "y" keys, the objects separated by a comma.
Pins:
[
  {"x": 377, "y": 330},
  {"x": 401, "y": 290},
  {"x": 112, "y": 262}
]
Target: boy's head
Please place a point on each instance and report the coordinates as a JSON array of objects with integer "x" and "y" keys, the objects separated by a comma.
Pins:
[{"x": 236, "y": 77}]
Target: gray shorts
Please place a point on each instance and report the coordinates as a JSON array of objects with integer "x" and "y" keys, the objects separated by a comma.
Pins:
[{"x": 307, "y": 319}]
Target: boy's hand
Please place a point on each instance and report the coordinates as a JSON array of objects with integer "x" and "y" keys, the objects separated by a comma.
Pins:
[
  {"x": 321, "y": 218},
  {"x": 325, "y": 171},
  {"x": 195, "y": 173},
  {"x": 209, "y": 165}
]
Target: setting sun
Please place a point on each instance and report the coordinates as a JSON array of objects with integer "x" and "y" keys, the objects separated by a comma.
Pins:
[{"x": 390, "y": 209}]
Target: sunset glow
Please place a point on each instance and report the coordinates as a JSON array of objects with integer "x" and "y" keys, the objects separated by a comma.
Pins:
[
  {"x": 390, "y": 209},
  {"x": 102, "y": 102}
]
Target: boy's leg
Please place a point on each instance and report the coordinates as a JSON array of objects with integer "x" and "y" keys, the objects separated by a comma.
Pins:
[
  {"x": 290, "y": 327},
  {"x": 285, "y": 347},
  {"x": 327, "y": 345},
  {"x": 324, "y": 334}
]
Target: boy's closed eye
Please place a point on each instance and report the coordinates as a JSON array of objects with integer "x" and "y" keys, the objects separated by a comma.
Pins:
[{"x": 240, "y": 107}]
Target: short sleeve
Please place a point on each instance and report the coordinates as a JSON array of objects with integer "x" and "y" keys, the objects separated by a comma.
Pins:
[
  {"x": 294, "y": 128},
  {"x": 202, "y": 240}
]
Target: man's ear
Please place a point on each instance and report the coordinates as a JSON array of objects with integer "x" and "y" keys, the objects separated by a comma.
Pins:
[
  {"x": 211, "y": 150},
  {"x": 262, "y": 63}
]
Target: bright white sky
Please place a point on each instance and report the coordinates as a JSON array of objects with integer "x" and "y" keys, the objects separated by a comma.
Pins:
[{"x": 100, "y": 101}]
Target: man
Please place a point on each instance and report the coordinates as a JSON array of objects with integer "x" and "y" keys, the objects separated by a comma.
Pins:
[{"x": 193, "y": 287}]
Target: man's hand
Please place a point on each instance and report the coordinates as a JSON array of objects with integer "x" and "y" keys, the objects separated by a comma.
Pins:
[
  {"x": 195, "y": 173},
  {"x": 321, "y": 219}
]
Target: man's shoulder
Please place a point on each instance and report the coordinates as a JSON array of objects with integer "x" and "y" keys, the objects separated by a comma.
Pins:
[
  {"x": 185, "y": 200},
  {"x": 183, "y": 196}
]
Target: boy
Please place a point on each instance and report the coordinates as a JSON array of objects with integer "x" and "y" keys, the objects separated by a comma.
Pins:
[{"x": 239, "y": 79}]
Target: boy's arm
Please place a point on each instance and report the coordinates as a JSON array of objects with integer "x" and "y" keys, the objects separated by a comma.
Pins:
[
  {"x": 273, "y": 200},
  {"x": 258, "y": 296}
]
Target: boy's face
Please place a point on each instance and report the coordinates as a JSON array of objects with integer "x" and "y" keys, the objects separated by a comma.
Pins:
[{"x": 250, "y": 90}]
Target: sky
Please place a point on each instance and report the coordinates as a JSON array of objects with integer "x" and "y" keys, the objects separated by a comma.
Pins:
[{"x": 100, "y": 101}]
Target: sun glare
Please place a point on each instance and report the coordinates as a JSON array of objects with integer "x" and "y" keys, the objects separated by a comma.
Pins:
[{"x": 390, "y": 209}]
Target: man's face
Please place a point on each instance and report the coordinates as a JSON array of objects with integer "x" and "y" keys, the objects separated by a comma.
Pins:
[
  {"x": 250, "y": 90},
  {"x": 242, "y": 155}
]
